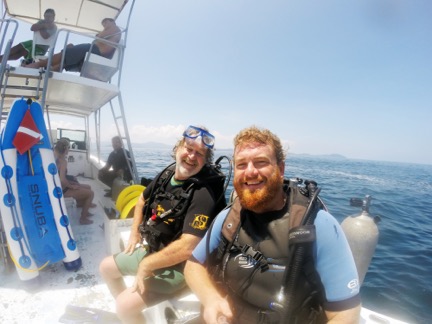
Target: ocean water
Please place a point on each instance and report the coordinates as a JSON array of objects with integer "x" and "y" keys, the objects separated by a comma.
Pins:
[{"x": 399, "y": 280}]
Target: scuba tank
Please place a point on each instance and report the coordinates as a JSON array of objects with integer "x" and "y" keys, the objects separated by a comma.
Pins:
[{"x": 362, "y": 234}]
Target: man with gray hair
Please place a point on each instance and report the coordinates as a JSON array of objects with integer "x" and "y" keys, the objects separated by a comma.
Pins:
[{"x": 170, "y": 218}]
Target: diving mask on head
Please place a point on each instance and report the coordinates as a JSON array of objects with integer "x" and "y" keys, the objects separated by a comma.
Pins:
[{"x": 193, "y": 132}]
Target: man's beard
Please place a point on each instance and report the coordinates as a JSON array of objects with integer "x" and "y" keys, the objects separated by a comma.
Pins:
[{"x": 259, "y": 200}]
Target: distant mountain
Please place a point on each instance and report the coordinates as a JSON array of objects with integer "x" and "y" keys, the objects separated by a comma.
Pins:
[
  {"x": 320, "y": 156},
  {"x": 156, "y": 145},
  {"x": 152, "y": 145}
]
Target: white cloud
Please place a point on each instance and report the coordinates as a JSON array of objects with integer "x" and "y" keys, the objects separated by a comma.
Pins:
[
  {"x": 169, "y": 134},
  {"x": 166, "y": 134}
]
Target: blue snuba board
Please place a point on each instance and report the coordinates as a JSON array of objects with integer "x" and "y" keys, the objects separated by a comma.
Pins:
[{"x": 37, "y": 212}]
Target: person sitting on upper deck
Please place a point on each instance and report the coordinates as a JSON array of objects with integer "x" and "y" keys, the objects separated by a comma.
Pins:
[
  {"x": 46, "y": 27},
  {"x": 75, "y": 54}
]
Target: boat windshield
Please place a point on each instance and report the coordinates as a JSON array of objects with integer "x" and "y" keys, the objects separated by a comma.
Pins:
[{"x": 77, "y": 138}]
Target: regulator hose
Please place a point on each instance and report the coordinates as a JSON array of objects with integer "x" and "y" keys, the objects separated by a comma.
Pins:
[{"x": 284, "y": 304}]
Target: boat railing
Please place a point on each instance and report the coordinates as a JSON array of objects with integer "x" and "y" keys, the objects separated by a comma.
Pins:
[
  {"x": 102, "y": 68},
  {"x": 116, "y": 60},
  {"x": 8, "y": 28},
  {"x": 7, "y": 35}
]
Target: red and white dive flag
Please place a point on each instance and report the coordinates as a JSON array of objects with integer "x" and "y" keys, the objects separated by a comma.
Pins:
[{"x": 27, "y": 134}]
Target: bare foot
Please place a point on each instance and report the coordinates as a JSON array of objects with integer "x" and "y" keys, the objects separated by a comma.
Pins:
[{"x": 34, "y": 65}]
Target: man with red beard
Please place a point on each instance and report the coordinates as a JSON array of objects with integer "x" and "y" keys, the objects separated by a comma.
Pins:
[
  {"x": 249, "y": 268},
  {"x": 170, "y": 218}
]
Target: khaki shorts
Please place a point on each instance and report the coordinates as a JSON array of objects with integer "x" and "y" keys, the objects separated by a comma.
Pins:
[{"x": 165, "y": 281}]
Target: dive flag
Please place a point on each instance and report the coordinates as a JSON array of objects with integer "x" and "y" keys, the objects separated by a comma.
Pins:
[{"x": 27, "y": 134}]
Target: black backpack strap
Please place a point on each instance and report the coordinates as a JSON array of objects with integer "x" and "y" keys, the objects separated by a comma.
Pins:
[{"x": 298, "y": 248}]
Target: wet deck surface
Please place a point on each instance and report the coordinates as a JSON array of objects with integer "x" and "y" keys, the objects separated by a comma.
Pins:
[{"x": 59, "y": 287}]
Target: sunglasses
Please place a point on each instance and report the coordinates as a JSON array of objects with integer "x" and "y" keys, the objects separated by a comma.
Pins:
[{"x": 193, "y": 132}]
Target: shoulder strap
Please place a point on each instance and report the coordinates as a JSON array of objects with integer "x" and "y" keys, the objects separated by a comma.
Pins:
[
  {"x": 160, "y": 182},
  {"x": 298, "y": 250},
  {"x": 230, "y": 228},
  {"x": 232, "y": 221},
  {"x": 297, "y": 206},
  {"x": 165, "y": 175}
]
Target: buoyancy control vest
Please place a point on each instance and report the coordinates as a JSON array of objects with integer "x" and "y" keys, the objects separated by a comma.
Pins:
[
  {"x": 210, "y": 177},
  {"x": 261, "y": 276}
]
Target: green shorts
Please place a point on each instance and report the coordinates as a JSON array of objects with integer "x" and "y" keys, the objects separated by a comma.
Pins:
[
  {"x": 39, "y": 49},
  {"x": 166, "y": 281}
]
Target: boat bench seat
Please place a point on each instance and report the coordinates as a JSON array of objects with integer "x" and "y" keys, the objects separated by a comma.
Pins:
[
  {"x": 71, "y": 206},
  {"x": 124, "y": 239},
  {"x": 39, "y": 40},
  {"x": 100, "y": 68}
]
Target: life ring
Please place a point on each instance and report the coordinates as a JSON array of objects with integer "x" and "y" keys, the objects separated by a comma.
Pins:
[
  {"x": 122, "y": 200},
  {"x": 131, "y": 204},
  {"x": 128, "y": 198}
]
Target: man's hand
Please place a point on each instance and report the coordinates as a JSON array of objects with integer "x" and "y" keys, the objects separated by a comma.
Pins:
[
  {"x": 141, "y": 275},
  {"x": 42, "y": 27},
  {"x": 217, "y": 311},
  {"x": 134, "y": 239},
  {"x": 216, "y": 307}
]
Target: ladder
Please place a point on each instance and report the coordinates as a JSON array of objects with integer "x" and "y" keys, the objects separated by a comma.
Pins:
[{"x": 4, "y": 251}]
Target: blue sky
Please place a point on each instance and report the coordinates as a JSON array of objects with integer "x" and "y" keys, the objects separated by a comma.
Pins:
[{"x": 335, "y": 76}]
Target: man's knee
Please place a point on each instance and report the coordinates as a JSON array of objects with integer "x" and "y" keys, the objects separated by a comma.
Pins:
[
  {"x": 101, "y": 174},
  {"x": 107, "y": 177},
  {"x": 108, "y": 268},
  {"x": 104, "y": 265},
  {"x": 129, "y": 306}
]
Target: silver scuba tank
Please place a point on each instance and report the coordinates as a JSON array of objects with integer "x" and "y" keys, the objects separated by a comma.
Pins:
[{"x": 362, "y": 234}]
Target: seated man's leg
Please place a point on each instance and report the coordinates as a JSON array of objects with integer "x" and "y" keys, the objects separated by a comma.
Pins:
[
  {"x": 107, "y": 177},
  {"x": 166, "y": 282},
  {"x": 74, "y": 57},
  {"x": 129, "y": 306},
  {"x": 17, "y": 51},
  {"x": 113, "y": 273},
  {"x": 112, "y": 269}
]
